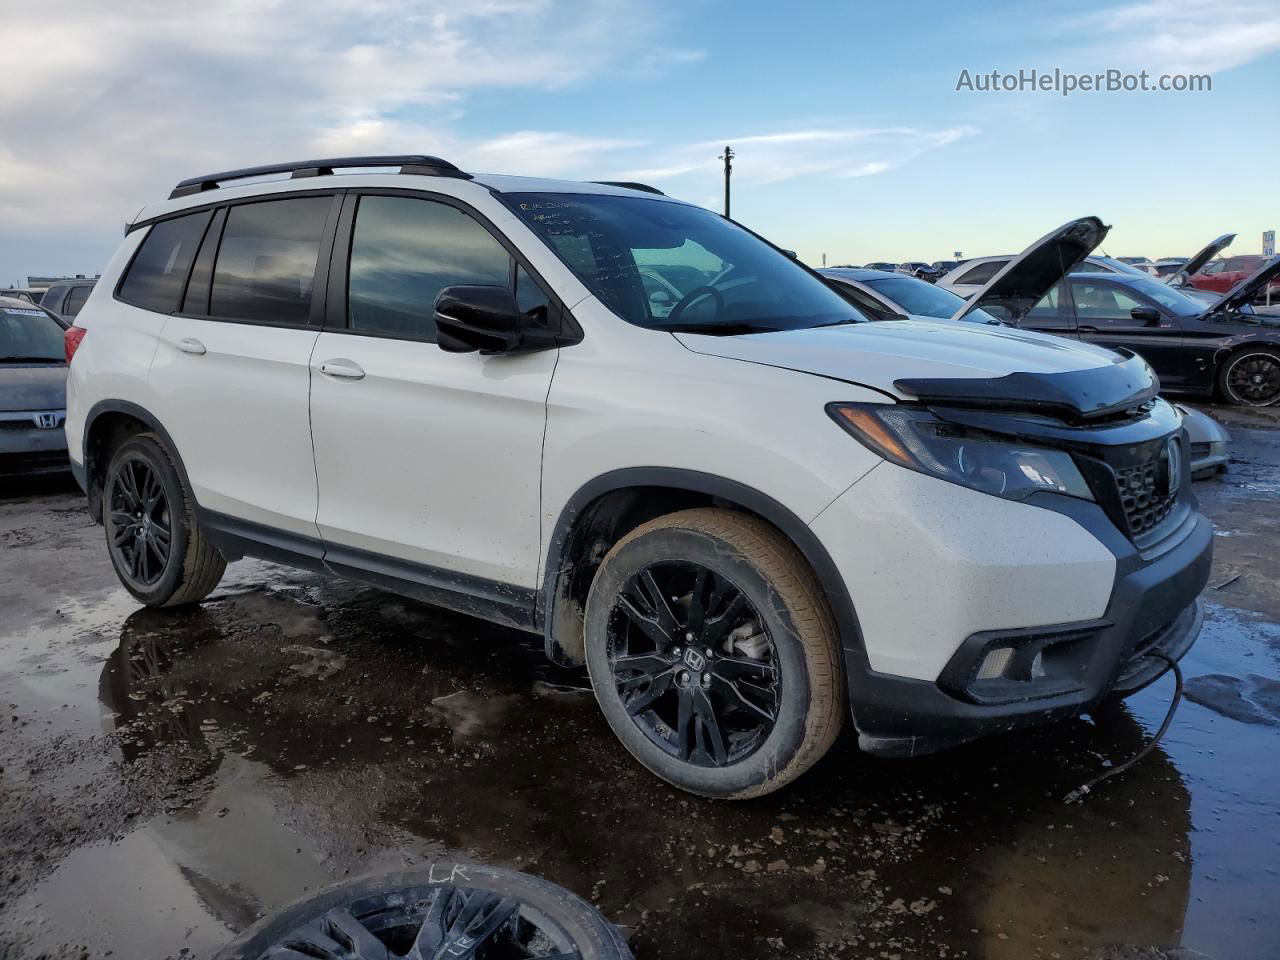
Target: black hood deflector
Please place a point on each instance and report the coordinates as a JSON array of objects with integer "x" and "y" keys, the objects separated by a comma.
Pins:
[{"x": 1075, "y": 396}]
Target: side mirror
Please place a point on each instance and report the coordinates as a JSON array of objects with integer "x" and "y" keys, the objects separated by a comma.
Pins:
[
  {"x": 474, "y": 317},
  {"x": 1148, "y": 315}
]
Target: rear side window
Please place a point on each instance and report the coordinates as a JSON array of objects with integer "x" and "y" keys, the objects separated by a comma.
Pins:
[
  {"x": 983, "y": 272},
  {"x": 404, "y": 251},
  {"x": 75, "y": 300},
  {"x": 266, "y": 267},
  {"x": 159, "y": 269}
]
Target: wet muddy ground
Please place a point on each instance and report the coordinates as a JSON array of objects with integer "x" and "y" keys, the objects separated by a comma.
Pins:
[{"x": 166, "y": 778}]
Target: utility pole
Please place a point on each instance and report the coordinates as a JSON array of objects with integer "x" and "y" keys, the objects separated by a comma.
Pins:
[{"x": 727, "y": 157}]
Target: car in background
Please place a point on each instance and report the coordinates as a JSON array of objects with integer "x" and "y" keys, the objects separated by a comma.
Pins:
[
  {"x": 1134, "y": 261},
  {"x": 972, "y": 275},
  {"x": 20, "y": 293},
  {"x": 1222, "y": 275},
  {"x": 1167, "y": 267},
  {"x": 1208, "y": 440},
  {"x": 1223, "y": 348},
  {"x": 885, "y": 296},
  {"x": 33, "y": 384},
  {"x": 66, "y": 297},
  {"x": 880, "y": 265},
  {"x": 912, "y": 267}
]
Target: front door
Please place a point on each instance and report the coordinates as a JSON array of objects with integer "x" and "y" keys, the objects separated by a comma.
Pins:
[
  {"x": 1105, "y": 315},
  {"x": 429, "y": 463}
]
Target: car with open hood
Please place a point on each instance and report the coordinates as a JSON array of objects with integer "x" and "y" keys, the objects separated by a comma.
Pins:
[
  {"x": 972, "y": 275},
  {"x": 33, "y": 377},
  {"x": 1223, "y": 347},
  {"x": 754, "y": 513}
]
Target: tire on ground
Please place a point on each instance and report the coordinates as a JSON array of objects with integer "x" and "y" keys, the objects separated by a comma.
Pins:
[
  {"x": 780, "y": 584},
  {"x": 195, "y": 566},
  {"x": 1240, "y": 356}
]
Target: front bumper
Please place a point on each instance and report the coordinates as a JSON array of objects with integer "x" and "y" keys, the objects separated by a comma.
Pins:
[
  {"x": 1154, "y": 607},
  {"x": 29, "y": 449}
]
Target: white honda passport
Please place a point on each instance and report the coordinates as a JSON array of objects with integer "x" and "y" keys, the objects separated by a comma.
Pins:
[{"x": 636, "y": 428}]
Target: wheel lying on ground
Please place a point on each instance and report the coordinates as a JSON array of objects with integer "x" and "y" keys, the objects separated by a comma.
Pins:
[
  {"x": 713, "y": 653},
  {"x": 1251, "y": 377},
  {"x": 155, "y": 543},
  {"x": 446, "y": 911}
]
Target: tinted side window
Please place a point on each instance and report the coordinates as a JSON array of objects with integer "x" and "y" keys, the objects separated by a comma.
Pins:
[
  {"x": 1105, "y": 304},
  {"x": 159, "y": 269},
  {"x": 404, "y": 251},
  {"x": 1048, "y": 313},
  {"x": 1238, "y": 263},
  {"x": 983, "y": 272},
  {"x": 52, "y": 298},
  {"x": 75, "y": 300},
  {"x": 266, "y": 265}
]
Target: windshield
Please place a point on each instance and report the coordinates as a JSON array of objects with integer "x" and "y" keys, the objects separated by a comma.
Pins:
[
  {"x": 925, "y": 300},
  {"x": 668, "y": 266},
  {"x": 1177, "y": 303},
  {"x": 29, "y": 334}
]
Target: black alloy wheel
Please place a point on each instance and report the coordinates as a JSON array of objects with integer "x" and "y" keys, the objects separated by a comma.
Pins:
[
  {"x": 1253, "y": 378},
  {"x": 692, "y": 663},
  {"x": 141, "y": 522},
  {"x": 443, "y": 912}
]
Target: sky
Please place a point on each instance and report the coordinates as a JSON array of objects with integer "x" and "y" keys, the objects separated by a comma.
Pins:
[{"x": 851, "y": 137}]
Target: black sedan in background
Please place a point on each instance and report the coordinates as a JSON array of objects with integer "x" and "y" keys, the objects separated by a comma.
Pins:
[
  {"x": 1220, "y": 347},
  {"x": 33, "y": 390}
]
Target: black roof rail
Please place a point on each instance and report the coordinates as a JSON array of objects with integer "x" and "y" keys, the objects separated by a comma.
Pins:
[
  {"x": 408, "y": 163},
  {"x": 630, "y": 185}
]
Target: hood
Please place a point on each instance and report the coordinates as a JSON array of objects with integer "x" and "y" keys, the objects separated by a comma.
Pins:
[
  {"x": 32, "y": 386},
  {"x": 955, "y": 363},
  {"x": 1248, "y": 288},
  {"x": 1196, "y": 263},
  {"x": 1031, "y": 274}
]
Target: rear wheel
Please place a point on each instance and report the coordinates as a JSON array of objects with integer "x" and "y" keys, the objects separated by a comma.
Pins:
[
  {"x": 153, "y": 538},
  {"x": 1251, "y": 377},
  {"x": 713, "y": 654}
]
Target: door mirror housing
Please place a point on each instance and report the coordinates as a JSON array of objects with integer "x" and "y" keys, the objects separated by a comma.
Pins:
[
  {"x": 1148, "y": 315},
  {"x": 486, "y": 318}
]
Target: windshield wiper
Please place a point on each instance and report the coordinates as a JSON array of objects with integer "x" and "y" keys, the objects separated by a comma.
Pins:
[
  {"x": 721, "y": 329},
  {"x": 32, "y": 360}
]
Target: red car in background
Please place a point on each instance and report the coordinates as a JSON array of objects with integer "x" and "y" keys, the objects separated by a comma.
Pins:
[{"x": 1221, "y": 275}]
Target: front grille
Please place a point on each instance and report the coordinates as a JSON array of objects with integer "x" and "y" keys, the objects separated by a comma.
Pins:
[{"x": 1145, "y": 496}]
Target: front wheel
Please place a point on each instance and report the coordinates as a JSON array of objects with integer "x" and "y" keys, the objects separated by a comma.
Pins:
[
  {"x": 713, "y": 653},
  {"x": 155, "y": 543},
  {"x": 1251, "y": 377}
]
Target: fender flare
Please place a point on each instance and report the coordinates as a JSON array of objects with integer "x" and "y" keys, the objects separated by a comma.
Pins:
[
  {"x": 694, "y": 481},
  {"x": 138, "y": 413}
]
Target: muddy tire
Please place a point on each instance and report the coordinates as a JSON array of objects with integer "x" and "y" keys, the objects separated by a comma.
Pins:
[
  {"x": 154, "y": 540},
  {"x": 713, "y": 653},
  {"x": 1250, "y": 377},
  {"x": 363, "y": 916}
]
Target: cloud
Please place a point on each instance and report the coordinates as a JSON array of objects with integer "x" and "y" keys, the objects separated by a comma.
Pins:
[
  {"x": 764, "y": 158},
  {"x": 1183, "y": 36},
  {"x": 107, "y": 105}
]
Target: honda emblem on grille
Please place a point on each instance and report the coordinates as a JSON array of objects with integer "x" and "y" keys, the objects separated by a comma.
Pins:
[
  {"x": 46, "y": 421},
  {"x": 1173, "y": 461}
]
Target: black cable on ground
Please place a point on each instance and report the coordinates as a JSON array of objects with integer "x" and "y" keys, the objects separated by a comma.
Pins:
[{"x": 1079, "y": 792}]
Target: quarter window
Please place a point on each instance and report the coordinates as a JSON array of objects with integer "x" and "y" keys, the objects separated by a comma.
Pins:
[
  {"x": 159, "y": 269},
  {"x": 266, "y": 265},
  {"x": 405, "y": 250},
  {"x": 76, "y": 297},
  {"x": 983, "y": 272}
]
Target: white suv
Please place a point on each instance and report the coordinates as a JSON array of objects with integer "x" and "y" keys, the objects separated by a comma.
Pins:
[{"x": 632, "y": 426}]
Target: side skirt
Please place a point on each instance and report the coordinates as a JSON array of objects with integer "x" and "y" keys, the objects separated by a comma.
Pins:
[{"x": 500, "y": 603}]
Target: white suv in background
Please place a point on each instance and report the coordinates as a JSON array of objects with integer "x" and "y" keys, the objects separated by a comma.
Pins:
[{"x": 750, "y": 511}]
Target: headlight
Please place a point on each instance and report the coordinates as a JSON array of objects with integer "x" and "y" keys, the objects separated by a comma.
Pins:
[{"x": 916, "y": 439}]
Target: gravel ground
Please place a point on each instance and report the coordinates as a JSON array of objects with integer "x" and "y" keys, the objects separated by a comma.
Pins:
[{"x": 167, "y": 778}]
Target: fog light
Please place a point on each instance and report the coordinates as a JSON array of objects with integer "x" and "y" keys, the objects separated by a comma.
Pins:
[{"x": 995, "y": 663}]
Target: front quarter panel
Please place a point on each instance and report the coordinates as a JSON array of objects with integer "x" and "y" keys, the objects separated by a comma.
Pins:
[{"x": 630, "y": 398}]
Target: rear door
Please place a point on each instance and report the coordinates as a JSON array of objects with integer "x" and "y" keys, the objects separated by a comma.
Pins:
[
  {"x": 1104, "y": 315},
  {"x": 232, "y": 368},
  {"x": 1053, "y": 314},
  {"x": 429, "y": 462}
]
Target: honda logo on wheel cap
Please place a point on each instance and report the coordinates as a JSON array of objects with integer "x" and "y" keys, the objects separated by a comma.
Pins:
[{"x": 694, "y": 659}]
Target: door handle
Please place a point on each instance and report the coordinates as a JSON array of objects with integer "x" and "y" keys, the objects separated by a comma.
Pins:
[
  {"x": 192, "y": 346},
  {"x": 342, "y": 369},
  {"x": 1087, "y": 329}
]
